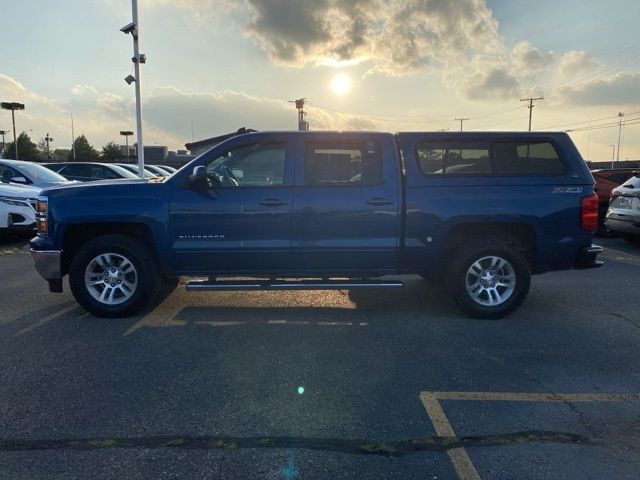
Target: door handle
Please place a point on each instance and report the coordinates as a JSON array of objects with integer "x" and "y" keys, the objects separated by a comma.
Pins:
[
  {"x": 378, "y": 202},
  {"x": 272, "y": 202}
]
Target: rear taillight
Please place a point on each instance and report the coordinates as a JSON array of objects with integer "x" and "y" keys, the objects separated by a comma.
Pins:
[{"x": 589, "y": 213}]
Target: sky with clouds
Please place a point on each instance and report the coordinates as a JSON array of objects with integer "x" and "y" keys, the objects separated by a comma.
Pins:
[{"x": 216, "y": 65}]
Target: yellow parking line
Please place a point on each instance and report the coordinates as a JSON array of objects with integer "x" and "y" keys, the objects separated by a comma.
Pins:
[
  {"x": 534, "y": 397},
  {"x": 458, "y": 456}
]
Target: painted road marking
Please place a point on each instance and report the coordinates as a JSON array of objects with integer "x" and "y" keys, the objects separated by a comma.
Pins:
[
  {"x": 461, "y": 462},
  {"x": 534, "y": 397},
  {"x": 459, "y": 458}
]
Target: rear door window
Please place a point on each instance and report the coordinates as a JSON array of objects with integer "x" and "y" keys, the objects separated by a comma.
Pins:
[{"x": 357, "y": 164}]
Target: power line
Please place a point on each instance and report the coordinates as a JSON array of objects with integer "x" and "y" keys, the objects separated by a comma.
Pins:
[
  {"x": 580, "y": 123},
  {"x": 461, "y": 120}
]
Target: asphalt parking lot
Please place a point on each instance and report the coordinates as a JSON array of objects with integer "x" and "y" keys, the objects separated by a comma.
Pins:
[{"x": 324, "y": 384}]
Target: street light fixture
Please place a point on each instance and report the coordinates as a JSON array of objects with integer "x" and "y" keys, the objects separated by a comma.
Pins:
[
  {"x": 126, "y": 134},
  {"x": 13, "y": 106}
]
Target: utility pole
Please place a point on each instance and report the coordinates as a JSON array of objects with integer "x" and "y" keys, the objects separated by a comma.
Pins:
[
  {"x": 134, "y": 29},
  {"x": 461, "y": 120},
  {"x": 13, "y": 106},
  {"x": 48, "y": 139},
  {"x": 2, "y": 132},
  {"x": 620, "y": 123},
  {"x": 613, "y": 154},
  {"x": 303, "y": 125},
  {"x": 530, "y": 106}
]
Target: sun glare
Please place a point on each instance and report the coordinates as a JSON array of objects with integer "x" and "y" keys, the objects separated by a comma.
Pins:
[{"x": 341, "y": 84}]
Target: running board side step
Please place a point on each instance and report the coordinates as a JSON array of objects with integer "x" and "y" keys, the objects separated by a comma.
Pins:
[{"x": 219, "y": 285}]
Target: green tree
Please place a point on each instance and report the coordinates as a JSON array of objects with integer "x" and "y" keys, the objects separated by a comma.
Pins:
[
  {"x": 60, "y": 154},
  {"x": 27, "y": 150},
  {"x": 111, "y": 152},
  {"x": 84, "y": 151}
]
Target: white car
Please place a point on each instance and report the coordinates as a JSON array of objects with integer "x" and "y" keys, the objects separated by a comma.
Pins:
[
  {"x": 17, "y": 208},
  {"x": 29, "y": 173}
]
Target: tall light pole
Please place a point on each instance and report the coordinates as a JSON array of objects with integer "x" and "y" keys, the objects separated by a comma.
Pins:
[
  {"x": 300, "y": 103},
  {"x": 73, "y": 139},
  {"x": 621, "y": 118},
  {"x": 126, "y": 134},
  {"x": 134, "y": 29},
  {"x": 613, "y": 154},
  {"x": 13, "y": 106}
]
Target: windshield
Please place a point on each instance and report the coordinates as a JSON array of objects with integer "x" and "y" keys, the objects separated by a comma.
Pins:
[
  {"x": 37, "y": 173},
  {"x": 124, "y": 172},
  {"x": 135, "y": 170}
]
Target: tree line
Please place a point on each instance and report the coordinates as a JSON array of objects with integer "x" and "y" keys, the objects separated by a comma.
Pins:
[{"x": 84, "y": 151}]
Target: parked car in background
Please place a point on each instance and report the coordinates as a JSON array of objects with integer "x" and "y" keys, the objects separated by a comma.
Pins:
[
  {"x": 17, "y": 208},
  {"x": 623, "y": 216},
  {"x": 157, "y": 170},
  {"x": 136, "y": 171},
  {"x": 606, "y": 180},
  {"x": 167, "y": 169},
  {"x": 90, "y": 171},
  {"x": 29, "y": 173}
]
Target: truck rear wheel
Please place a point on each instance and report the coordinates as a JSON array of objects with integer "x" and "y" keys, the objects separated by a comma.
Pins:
[
  {"x": 114, "y": 276},
  {"x": 488, "y": 279}
]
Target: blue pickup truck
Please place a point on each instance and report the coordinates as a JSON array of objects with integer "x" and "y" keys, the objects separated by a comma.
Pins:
[{"x": 475, "y": 213}]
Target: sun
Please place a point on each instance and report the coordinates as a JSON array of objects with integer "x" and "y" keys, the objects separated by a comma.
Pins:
[{"x": 341, "y": 84}]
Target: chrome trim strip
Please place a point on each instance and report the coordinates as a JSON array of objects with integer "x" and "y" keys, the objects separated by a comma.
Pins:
[{"x": 291, "y": 285}]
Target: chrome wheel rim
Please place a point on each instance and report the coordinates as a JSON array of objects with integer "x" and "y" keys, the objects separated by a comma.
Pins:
[
  {"x": 490, "y": 281},
  {"x": 111, "y": 278}
]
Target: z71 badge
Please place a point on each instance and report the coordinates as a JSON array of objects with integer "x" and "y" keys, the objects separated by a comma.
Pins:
[{"x": 567, "y": 189}]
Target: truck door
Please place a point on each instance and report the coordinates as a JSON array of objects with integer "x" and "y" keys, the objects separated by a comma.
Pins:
[
  {"x": 346, "y": 203},
  {"x": 243, "y": 223}
]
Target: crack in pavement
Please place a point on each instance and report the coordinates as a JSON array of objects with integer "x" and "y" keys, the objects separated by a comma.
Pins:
[{"x": 398, "y": 448}]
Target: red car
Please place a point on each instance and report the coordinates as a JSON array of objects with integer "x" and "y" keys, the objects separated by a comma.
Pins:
[{"x": 606, "y": 180}]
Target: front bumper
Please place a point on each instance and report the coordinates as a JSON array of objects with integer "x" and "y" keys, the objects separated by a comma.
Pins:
[
  {"x": 48, "y": 263},
  {"x": 587, "y": 257}
]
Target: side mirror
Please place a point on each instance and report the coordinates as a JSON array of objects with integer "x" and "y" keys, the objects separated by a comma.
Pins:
[
  {"x": 19, "y": 180},
  {"x": 198, "y": 179}
]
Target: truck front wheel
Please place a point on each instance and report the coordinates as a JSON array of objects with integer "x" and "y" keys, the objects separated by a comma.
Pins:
[
  {"x": 114, "y": 276},
  {"x": 488, "y": 279}
]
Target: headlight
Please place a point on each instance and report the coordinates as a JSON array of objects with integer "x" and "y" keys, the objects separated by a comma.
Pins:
[
  {"x": 14, "y": 201},
  {"x": 42, "y": 211}
]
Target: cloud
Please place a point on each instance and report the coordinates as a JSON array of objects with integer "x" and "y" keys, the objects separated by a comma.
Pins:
[
  {"x": 495, "y": 83},
  {"x": 527, "y": 59},
  {"x": 222, "y": 112},
  {"x": 619, "y": 90},
  {"x": 396, "y": 37},
  {"x": 575, "y": 62}
]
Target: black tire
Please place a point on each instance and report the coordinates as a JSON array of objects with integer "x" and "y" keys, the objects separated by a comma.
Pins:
[
  {"x": 632, "y": 240},
  {"x": 147, "y": 276},
  {"x": 461, "y": 260}
]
